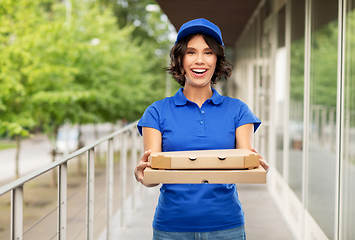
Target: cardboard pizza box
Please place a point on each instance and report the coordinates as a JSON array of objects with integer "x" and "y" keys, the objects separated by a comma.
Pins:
[
  {"x": 156, "y": 176},
  {"x": 208, "y": 159}
]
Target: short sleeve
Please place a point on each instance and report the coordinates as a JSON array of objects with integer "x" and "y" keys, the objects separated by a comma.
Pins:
[
  {"x": 246, "y": 116},
  {"x": 150, "y": 119}
]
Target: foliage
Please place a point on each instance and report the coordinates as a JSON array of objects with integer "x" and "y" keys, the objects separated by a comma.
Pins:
[
  {"x": 323, "y": 82},
  {"x": 151, "y": 31},
  {"x": 15, "y": 110},
  {"x": 324, "y": 55},
  {"x": 61, "y": 62},
  {"x": 297, "y": 71}
]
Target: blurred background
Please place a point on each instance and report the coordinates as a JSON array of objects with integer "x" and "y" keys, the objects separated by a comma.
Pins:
[
  {"x": 72, "y": 72},
  {"x": 66, "y": 64}
]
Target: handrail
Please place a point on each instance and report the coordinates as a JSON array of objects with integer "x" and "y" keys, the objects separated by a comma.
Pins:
[
  {"x": 16, "y": 187},
  {"x": 21, "y": 181}
]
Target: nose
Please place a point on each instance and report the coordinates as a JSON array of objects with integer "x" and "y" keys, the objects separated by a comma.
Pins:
[{"x": 199, "y": 58}]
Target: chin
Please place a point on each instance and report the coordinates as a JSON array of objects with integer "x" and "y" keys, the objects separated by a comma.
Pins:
[{"x": 198, "y": 82}]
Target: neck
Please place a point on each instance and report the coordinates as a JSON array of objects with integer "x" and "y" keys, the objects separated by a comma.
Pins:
[{"x": 198, "y": 95}]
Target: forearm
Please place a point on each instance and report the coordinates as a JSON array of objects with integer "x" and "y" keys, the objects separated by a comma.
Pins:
[{"x": 151, "y": 143}]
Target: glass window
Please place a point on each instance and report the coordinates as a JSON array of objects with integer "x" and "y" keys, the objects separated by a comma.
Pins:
[
  {"x": 348, "y": 165},
  {"x": 322, "y": 130},
  {"x": 296, "y": 97},
  {"x": 280, "y": 76}
]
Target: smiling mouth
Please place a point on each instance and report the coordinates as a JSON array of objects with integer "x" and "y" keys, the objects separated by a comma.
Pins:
[{"x": 199, "y": 71}]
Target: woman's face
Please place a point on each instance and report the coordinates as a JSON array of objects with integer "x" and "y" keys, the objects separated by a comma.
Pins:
[{"x": 199, "y": 62}]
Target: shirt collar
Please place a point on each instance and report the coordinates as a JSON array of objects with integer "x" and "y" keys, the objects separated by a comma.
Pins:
[{"x": 180, "y": 99}]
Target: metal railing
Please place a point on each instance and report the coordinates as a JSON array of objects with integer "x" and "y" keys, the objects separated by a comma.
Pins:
[{"x": 128, "y": 142}]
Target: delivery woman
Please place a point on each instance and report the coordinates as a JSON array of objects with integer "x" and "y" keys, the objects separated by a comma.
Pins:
[{"x": 197, "y": 117}]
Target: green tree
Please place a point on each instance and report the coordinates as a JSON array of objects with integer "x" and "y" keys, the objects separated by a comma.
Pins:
[
  {"x": 297, "y": 71},
  {"x": 15, "y": 109},
  {"x": 72, "y": 63},
  {"x": 151, "y": 31},
  {"x": 324, "y": 72}
]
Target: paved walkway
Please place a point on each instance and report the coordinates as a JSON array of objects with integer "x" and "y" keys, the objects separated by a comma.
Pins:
[{"x": 263, "y": 218}]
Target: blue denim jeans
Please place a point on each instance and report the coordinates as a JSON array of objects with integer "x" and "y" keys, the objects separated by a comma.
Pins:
[{"x": 237, "y": 233}]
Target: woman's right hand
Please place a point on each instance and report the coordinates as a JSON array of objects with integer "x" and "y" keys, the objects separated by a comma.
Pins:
[{"x": 138, "y": 171}]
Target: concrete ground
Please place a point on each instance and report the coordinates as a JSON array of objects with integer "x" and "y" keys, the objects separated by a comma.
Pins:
[{"x": 263, "y": 218}]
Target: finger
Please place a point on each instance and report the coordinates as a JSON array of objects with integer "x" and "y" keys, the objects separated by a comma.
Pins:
[
  {"x": 146, "y": 155},
  {"x": 139, "y": 175},
  {"x": 253, "y": 150},
  {"x": 138, "y": 172},
  {"x": 264, "y": 164},
  {"x": 142, "y": 165}
]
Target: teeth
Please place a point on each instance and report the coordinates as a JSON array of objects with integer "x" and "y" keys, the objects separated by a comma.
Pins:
[{"x": 199, "y": 70}]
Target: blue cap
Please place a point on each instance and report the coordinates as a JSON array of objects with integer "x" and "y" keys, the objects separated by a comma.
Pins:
[{"x": 200, "y": 25}]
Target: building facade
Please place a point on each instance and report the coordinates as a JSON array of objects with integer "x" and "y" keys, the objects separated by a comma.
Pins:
[{"x": 294, "y": 65}]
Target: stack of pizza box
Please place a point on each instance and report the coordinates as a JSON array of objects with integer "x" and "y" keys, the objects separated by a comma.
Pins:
[{"x": 210, "y": 166}]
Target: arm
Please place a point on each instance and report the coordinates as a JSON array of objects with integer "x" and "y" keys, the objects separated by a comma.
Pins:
[
  {"x": 244, "y": 140},
  {"x": 152, "y": 143},
  {"x": 244, "y": 136}
]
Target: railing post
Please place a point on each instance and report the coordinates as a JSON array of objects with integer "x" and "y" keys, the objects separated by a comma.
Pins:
[
  {"x": 323, "y": 123},
  {"x": 90, "y": 194},
  {"x": 140, "y": 154},
  {"x": 17, "y": 213},
  {"x": 62, "y": 201},
  {"x": 109, "y": 188},
  {"x": 134, "y": 163},
  {"x": 123, "y": 172}
]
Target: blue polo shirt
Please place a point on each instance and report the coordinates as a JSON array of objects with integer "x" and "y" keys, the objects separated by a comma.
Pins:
[{"x": 185, "y": 126}]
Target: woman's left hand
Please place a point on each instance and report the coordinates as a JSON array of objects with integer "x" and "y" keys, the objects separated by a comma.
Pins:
[{"x": 263, "y": 163}]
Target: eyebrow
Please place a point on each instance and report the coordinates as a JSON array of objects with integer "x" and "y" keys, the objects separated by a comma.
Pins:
[{"x": 187, "y": 48}]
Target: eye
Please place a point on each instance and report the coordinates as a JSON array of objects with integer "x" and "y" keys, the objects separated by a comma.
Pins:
[
  {"x": 190, "y": 52},
  {"x": 209, "y": 53}
]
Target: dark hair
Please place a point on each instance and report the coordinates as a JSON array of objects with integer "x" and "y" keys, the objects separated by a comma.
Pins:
[{"x": 178, "y": 51}]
